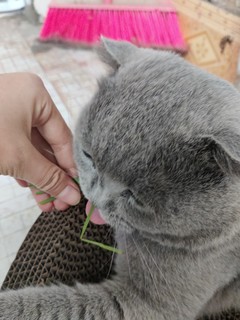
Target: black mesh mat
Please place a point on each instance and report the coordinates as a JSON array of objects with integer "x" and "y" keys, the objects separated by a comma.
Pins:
[{"x": 53, "y": 252}]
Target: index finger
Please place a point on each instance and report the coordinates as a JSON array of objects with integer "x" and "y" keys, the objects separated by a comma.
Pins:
[{"x": 55, "y": 131}]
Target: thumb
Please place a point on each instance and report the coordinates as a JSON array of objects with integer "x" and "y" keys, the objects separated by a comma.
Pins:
[{"x": 49, "y": 177}]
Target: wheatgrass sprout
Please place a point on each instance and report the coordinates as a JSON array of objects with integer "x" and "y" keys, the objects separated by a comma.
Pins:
[
  {"x": 99, "y": 244},
  {"x": 85, "y": 225}
]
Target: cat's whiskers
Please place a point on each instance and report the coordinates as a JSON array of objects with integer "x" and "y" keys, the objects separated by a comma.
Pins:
[
  {"x": 146, "y": 264},
  {"x": 170, "y": 290},
  {"x": 127, "y": 256},
  {"x": 155, "y": 217},
  {"x": 111, "y": 262},
  {"x": 121, "y": 221},
  {"x": 115, "y": 245},
  {"x": 107, "y": 234},
  {"x": 118, "y": 222},
  {"x": 143, "y": 273}
]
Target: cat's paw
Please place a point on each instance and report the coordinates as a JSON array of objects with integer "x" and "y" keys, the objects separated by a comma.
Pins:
[{"x": 9, "y": 306}]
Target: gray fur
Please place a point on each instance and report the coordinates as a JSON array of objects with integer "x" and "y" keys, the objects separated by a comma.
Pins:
[{"x": 164, "y": 138}]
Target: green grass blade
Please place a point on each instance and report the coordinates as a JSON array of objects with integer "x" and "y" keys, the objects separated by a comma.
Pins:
[
  {"x": 86, "y": 222},
  {"x": 103, "y": 246},
  {"x": 40, "y": 192},
  {"x": 76, "y": 179},
  {"x": 50, "y": 199},
  {"x": 85, "y": 225}
]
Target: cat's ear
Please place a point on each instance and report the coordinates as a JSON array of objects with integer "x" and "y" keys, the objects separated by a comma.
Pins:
[
  {"x": 115, "y": 53},
  {"x": 226, "y": 150}
]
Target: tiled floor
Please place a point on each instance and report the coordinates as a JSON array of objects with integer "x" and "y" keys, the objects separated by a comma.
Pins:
[{"x": 69, "y": 75}]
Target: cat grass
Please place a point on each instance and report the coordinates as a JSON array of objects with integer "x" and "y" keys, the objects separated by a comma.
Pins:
[
  {"x": 85, "y": 225},
  {"x": 99, "y": 244}
]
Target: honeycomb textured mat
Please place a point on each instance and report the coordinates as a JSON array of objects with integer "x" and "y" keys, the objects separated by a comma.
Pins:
[
  {"x": 231, "y": 315},
  {"x": 53, "y": 252}
]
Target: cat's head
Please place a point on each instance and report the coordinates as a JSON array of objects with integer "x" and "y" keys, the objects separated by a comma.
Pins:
[{"x": 158, "y": 147}]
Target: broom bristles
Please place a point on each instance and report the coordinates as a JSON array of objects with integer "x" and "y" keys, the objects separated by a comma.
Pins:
[{"x": 153, "y": 28}]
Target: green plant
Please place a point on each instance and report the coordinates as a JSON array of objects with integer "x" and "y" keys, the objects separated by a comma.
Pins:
[
  {"x": 99, "y": 244},
  {"x": 50, "y": 199},
  {"x": 85, "y": 225}
]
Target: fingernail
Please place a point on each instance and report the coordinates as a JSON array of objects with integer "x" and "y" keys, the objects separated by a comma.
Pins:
[
  {"x": 70, "y": 195},
  {"x": 73, "y": 172}
]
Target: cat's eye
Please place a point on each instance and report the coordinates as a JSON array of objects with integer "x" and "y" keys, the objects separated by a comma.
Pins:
[
  {"x": 87, "y": 155},
  {"x": 127, "y": 193}
]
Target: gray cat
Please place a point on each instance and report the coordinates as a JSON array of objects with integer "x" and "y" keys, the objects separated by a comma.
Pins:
[{"x": 158, "y": 151}]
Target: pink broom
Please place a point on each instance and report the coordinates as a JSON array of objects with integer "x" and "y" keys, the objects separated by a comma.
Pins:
[{"x": 155, "y": 26}]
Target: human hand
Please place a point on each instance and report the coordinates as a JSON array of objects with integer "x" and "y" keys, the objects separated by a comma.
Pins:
[{"x": 35, "y": 143}]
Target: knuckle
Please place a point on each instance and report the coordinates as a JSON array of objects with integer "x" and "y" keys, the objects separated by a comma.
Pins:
[{"x": 51, "y": 181}]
